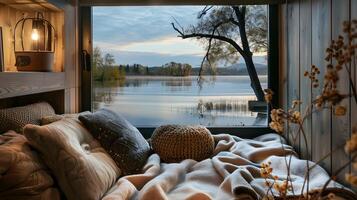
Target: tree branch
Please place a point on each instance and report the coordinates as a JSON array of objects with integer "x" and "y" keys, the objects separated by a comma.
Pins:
[{"x": 205, "y": 35}]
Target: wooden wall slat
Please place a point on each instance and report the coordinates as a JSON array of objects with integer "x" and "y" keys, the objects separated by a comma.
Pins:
[
  {"x": 354, "y": 72},
  {"x": 321, "y": 36},
  {"x": 283, "y": 61},
  {"x": 293, "y": 67},
  {"x": 340, "y": 124},
  {"x": 71, "y": 55},
  {"x": 305, "y": 65}
]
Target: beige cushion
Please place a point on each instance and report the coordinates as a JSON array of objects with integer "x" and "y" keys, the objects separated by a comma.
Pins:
[
  {"x": 175, "y": 143},
  {"x": 17, "y": 117},
  {"x": 22, "y": 173},
  {"x": 81, "y": 166}
]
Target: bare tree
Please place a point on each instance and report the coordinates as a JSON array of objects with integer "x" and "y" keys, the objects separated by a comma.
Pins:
[{"x": 228, "y": 33}]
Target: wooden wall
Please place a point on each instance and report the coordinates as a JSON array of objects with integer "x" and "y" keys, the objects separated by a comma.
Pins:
[{"x": 307, "y": 27}]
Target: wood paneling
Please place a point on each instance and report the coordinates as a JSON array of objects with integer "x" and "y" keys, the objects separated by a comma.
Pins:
[
  {"x": 321, "y": 37},
  {"x": 310, "y": 26},
  {"x": 354, "y": 77},
  {"x": 340, "y": 124},
  {"x": 71, "y": 57},
  {"x": 305, "y": 64},
  {"x": 293, "y": 58}
]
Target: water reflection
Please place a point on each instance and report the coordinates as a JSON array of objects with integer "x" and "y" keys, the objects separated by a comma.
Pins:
[{"x": 152, "y": 101}]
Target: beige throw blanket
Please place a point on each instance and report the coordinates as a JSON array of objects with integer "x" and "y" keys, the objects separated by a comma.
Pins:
[{"x": 233, "y": 172}]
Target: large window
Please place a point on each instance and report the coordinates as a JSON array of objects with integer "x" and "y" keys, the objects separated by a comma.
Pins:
[{"x": 142, "y": 69}]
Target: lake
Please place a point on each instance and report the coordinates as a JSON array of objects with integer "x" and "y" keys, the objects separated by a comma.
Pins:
[{"x": 148, "y": 101}]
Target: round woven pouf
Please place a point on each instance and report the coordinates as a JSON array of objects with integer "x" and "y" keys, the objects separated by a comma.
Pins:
[{"x": 174, "y": 143}]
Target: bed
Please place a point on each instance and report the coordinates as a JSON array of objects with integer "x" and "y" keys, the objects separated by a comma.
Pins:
[{"x": 233, "y": 172}]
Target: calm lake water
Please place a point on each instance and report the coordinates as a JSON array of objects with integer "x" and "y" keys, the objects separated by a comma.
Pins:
[{"x": 153, "y": 101}]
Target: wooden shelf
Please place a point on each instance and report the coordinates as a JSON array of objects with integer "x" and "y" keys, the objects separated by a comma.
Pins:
[{"x": 24, "y": 83}]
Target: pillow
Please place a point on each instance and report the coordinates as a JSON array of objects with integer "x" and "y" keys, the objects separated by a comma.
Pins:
[
  {"x": 123, "y": 141},
  {"x": 17, "y": 117},
  {"x": 174, "y": 143},
  {"x": 22, "y": 174},
  {"x": 81, "y": 166}
]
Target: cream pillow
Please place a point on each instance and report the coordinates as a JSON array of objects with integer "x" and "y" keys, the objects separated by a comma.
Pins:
[{"x": 81, "y": 166}]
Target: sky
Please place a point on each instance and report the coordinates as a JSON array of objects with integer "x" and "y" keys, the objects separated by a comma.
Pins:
[{"x": 144, "y": 35}]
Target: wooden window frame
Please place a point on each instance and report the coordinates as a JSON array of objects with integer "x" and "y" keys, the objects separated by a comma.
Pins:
[{"x": 85, "y": 44}]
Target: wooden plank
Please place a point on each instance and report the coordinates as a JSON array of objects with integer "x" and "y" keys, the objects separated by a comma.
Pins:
[
  {"x": 354, "y": 72},
  {"x": 24, "y": 83},
  {"x": 71, "y": 58},
  {"x": 340, "y": 124},
  {"x": 31, "y": 5},
  {"x": 293, "y": 57},
  {"x": 305, "y": 83},
  {"x": 174, "y": 2},
  {"x": 283, "y": 61},
  {"x": 321, "y": 36}
]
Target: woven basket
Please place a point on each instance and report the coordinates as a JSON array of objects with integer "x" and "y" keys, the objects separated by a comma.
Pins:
[{"x": 174, "y": 143}]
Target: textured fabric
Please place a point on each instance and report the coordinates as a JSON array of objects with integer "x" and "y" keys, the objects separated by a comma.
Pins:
[
  {"x": 22, "y": 174},
  {"x": 81, "y": 166},
  {"x": 17, "y": 117},
  {"x": 175, "y": 143},
  {"x": 232, "y": 173},
  {"x": 50, "y": 119},
  {"x": 119, "y": 138}
]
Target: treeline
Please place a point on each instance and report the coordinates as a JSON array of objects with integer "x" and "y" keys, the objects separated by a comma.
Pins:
[
  {"x": 169, "y": 69},
  {"x": 104, "y": 69}
]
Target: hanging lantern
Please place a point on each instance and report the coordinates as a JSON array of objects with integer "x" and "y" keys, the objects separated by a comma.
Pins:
[{"x": 34, "y": 44}]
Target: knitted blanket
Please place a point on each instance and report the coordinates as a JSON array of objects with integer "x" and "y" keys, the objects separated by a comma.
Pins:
[{"x": 233, "y": 172}]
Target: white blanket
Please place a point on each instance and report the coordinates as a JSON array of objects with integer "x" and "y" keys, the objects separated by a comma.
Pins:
[{"x": 233, "y": 172}]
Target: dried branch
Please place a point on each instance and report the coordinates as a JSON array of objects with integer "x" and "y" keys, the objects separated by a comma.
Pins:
[
  {"x": 205, "y": 35},
  {"x": 204, "y": 11}
]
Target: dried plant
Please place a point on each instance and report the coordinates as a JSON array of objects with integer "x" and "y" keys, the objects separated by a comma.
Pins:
[{"x": 341, "y": 55}]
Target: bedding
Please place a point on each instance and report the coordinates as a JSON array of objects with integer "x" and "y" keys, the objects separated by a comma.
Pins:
[
  {"x": 23, "y": 175},
  {"x": 119, "y": 138},
  {"x": 233, "y": 172},
  {"x": 83, "y": 169}
]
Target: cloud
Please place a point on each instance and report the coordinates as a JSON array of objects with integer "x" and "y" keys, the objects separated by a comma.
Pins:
[
  {"x": 166, "y": 45},
  {"x": 126, "y": 24}
]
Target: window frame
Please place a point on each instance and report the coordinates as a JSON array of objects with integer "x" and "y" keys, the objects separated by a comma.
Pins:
[{"x": 85, "y": 44}]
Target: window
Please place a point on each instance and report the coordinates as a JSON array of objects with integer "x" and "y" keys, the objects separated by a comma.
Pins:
[{"x": 144, "y": 71}]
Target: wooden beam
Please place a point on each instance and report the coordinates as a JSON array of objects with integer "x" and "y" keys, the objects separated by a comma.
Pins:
[
  {"x": 24, "y": 83},
  {"x": 174, "y": 2}
]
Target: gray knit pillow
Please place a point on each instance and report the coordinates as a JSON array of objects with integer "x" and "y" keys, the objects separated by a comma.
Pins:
[
  {"x": 17, "y": 117},
  {"x": 123, "y": 142},
  {"x": 174, "y": 143}
]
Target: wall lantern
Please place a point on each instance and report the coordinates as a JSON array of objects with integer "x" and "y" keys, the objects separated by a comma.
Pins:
[{"x": 34, "y": 44}]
